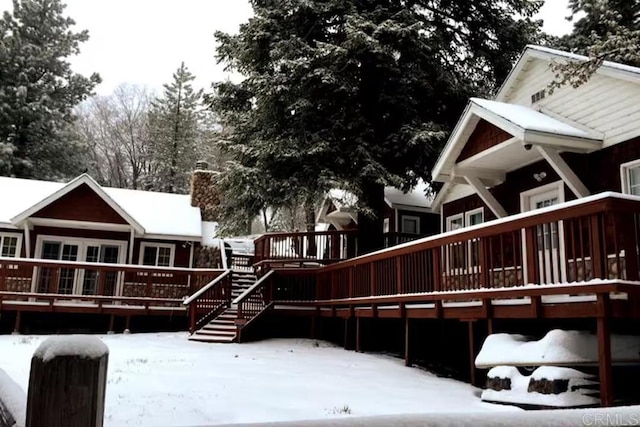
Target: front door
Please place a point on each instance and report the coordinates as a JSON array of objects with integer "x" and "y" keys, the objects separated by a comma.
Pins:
[
  {"x": 58, "y": 280},
  {"x": 92, "y": 281},
  {"x": 549, "y": 238}
]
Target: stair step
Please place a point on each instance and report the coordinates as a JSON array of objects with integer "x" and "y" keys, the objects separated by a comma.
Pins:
[
  {"x": 220, "y": 333},
  {"x": 213, "y": 340},
  {"x": 216, "y": 326}
]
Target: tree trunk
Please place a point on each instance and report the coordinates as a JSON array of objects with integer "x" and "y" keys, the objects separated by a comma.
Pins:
[
  {"x": 370, "y": 235},
  {"x": 310, "y": 222}
]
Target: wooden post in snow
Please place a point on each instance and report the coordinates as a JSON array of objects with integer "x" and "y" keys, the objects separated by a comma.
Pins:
[{"x": 67, "y": 383}]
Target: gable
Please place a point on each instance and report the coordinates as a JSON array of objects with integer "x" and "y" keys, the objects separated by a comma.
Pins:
[
  {"x": 484, "y": 136},
  {"x": 81, "y": 204}
]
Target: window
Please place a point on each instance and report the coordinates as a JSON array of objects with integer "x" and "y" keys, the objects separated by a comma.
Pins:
[
  {"x": 461, "y": 255},
  {"x": 630, "y": 177},
  {"x": 157, "y": 255},
  {"x": 538, "y": 96},
  {"x": 385, "y": 225},
  {"x": 410, "y": 224},
  {"x": 10, "y": 245}
]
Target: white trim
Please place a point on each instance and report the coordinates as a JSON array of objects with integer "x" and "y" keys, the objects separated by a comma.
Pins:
[
  {"x": 19, "y": 236},
  {"x": 468, "y": 214},
  {"x": 410, "y": 218},
  {"x": 172, "y": 252},
  {"x": 525, "y": 196},
  {"x": 449, "y": 220},
  {"x": 72, "y": 185},
  {"x": 69, "y": 223},
  {"x": 171, "y": 237},
  {"x": 564, "y": 171},
  {"x": 486, "y": 196},
  {"x": 624, "y": 174},
  {"x": 385, "y": 225},
  {"x": 27, "y": 239}
]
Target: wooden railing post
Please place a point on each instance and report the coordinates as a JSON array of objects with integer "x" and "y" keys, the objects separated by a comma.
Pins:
[
  {"x": 67, "y": 383},
  {"x": 192, "y": 317},
  {"x": 437, "y": 270},
  {"x": 531, "y": 248}
]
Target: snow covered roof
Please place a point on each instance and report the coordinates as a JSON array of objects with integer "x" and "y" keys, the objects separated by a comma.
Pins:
[
  {"x": 161, "y": 214},
  {"x": 529, "y": 119},
  {"x": 416, "y": 198}
]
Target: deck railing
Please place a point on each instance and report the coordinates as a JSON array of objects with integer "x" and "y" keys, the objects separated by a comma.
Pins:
[
  {"x": 209, "y": 301},
  {"x": 66, "y": 279},
  {"x": 323, "y": 247},
  {"x": 592, "y": 238},
  {"x": 253, "y": 302},
  {"x": 394, "y": 238}
]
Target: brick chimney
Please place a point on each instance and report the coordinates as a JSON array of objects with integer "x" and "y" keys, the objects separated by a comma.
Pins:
[{"x": 204, "y": 191}]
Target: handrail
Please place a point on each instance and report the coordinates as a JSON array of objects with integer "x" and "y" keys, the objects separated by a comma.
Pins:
[
  {"x": 223, "y": 254},
  {"x": 206, "y": 287},
  {"x": 37, "y": 262},
  {"x": 253, "y": 287},
  {"x": 566, "y": 210}
]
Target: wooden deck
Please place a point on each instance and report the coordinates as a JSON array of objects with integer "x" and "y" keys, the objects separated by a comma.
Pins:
[{"x": 35, "y": 285}]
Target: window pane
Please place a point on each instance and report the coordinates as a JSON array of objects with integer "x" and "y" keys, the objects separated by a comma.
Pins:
[
  {"x": 164, "y": 257},
  {"x": 51, "y": 250},
  {"x": 70, "y": 253},
  {"x": 9, "y": 246},
  {"x": 454, "y": 224},
  {"x": 634, "y": 180},
  {"x": 149, "y": 255},
  {"x": 109, "y": 254},
  {"x": 92, "y": 253},
  {"x": 476, "y": 218},
  {"x": 410, "y": 225}
]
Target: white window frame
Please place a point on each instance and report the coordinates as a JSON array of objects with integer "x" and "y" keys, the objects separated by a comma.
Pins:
[
  {"x": 449, "y": 220},
  {"x": 18, "y": 244},
  {"x": 410, "y": 218},
  {"x": 172, "y": 252},
  {"x": 82, "y": 255},
  {"x": 625, "y": 182},
  {"x": 468, "y": 214},
  {"x": 385, "y": 225},
  {"x": 467, "y": 217}
]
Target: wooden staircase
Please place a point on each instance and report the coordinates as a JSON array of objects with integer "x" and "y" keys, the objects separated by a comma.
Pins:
[{"x": 223, "y": 329}]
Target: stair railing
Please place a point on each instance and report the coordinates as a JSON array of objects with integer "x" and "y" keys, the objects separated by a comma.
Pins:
[
  {"x": 253, "y": 302},
  {"x": 211, "y": 300}
]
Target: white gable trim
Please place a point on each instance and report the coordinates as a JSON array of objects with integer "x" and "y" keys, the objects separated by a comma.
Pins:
[{"x": 72, "y": 185}]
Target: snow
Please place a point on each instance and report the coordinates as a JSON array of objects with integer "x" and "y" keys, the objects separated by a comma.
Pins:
[
  {"x": 13, "y": 398},
  {"x": 417, "y": 197},
  {"x": 557, "y": 347},
  {"x": 529, "y": 119},
  {"x": 164, "y": 379},
  {"x": 520, "y": 384},
  {"x": 83, "y": 346},
  {"x": 159, "y": 213},
  {"x": 209, "y": 233}
]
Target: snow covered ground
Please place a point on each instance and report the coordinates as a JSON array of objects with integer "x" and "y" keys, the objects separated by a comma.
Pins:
[{"x": 165, "y": 380}]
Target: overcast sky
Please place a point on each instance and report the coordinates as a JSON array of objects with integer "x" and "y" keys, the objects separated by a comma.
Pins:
[{"x": 143, "y": 41}]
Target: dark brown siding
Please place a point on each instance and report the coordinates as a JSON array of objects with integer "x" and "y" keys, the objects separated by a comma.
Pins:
[
  {"x": 599, "y": 171},
  {"x": 81, "y": 204},
  {"x": 484, "y": 136}
]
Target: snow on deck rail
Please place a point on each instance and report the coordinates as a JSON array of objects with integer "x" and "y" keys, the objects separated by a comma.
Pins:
[{"x": 84, "y": 346}]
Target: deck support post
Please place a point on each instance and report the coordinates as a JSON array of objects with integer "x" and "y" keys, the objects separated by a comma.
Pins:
[
  {"x": 472, "y": 355},
  {"x": 111, "y": 322},
  {"x": 407, "y": 342},
  {"x": 16, "y": 325},
  {"x": 604, "y": 351},
  {"x": 314, "y": 326},
  {"x": 358, "y": 333},
  {"x": 127, "y": 325},
  {"x": 490, "y": 326}
]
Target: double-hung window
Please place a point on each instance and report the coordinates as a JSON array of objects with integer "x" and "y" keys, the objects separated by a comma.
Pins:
[
  {"x": 463, "y": 255},
  {"x": 10, "y": 245},
  {"x": 157, "y": 254}
]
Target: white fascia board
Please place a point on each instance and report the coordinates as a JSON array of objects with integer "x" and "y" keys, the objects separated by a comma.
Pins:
[
  {"x": 569, "y": 143},
  {"x": 440, "y": 196},
  {"x": 8, "y": 225},
  {"x": 82, "y": 225},
  {"x": 411, "y": 208},
  {"x": 72, "y": 185},
  {"x": 451, "y": 143},
  {"x": 193, "y": 238},
  {"x": 512, "y": 77}
]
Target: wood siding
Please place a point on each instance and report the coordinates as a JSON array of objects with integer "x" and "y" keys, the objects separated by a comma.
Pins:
[
  {"x": 605, "y": 104},
  {"x": 484, "y": 136},
  {"x": 81, "y": 204}
]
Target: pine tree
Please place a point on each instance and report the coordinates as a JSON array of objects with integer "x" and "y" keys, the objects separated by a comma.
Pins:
[
  {"x": 38, "y": 90},
  {"x": 359, "y": 94},
  {"x": 175, "y": 133},
  {"x": 605, "y": 30}
]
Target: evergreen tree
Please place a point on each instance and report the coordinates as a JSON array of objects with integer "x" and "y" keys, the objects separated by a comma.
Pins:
[
  {"x": 38, "y": 90},
  {"x": 175, "y": 133},
  {"x": 359, "y": 93},
  {"x": 605, "y": 30}
]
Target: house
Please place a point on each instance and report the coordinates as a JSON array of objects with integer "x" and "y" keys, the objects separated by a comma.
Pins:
[
  {"x": 143, "y": 244},
  {"x": 540, "y": 212},
  {"x": 407, "y": 215}
]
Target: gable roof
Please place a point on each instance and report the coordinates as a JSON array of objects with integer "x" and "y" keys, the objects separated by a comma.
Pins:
[
  {"x": 522, "y": 122},
  {"x": 613, "y": 69},
  {"x": 149, "y": 213},
  {"x": 416, "y": 199}
]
